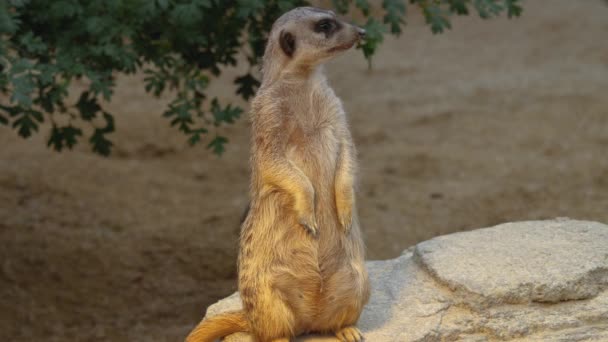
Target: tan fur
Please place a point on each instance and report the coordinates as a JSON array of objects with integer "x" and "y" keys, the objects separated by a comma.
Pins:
[
  {"x": 301, "y": 260},
  {"x": 219, "y": 326}
]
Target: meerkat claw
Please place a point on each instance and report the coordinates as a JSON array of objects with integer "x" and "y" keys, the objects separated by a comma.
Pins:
[
  {"x": 349, "y": 334},
  {"x": 310, "y": 227},
  {"x": 346, "y": 220},
  {"x": 346, "y": 223}
]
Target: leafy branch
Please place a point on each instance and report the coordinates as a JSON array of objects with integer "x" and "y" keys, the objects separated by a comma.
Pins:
[{"x": 179, "y": 45}]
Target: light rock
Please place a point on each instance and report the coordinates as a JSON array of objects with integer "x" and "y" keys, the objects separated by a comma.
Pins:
[{"x": 526, "y": 281}]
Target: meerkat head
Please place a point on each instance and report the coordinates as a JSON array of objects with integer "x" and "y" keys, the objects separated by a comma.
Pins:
[{"x": 306, "y": 37}]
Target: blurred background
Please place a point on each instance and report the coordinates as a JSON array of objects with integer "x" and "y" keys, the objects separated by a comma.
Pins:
[{"x": 493, "y": 121}]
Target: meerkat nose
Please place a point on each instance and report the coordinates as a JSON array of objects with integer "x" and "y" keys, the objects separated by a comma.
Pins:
[{"x": 361, "y": 32}]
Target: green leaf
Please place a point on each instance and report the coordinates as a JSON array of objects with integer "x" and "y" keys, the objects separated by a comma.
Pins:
[
  {"x": 186, "y": 14},
  {"x": 25, "y": 126},
  {"x": 395, "y": 11},
  {"x": 3, "y": 120},
  {"x": 21, "y": 65},
  {"x": 61, "y": 136},
  {"x": 363, "y": 5},
  {"x": 155, "y": 82},
  {"x": 286, "y": 5},
  {"x": 32, "y": 43},
  {"x": 9, "y": 22},
  {"x": 459, "y": 7},
  {"x": 18, "y": 3},
  {"x": 70, "y": 133},
  {"x": 163, "y": 4},
  {"x": 109, "y": 128},
  {"x": 47, "y": 74},
  {"x": 341, "y": 6},
  {"x": 513, "y": 8},
  {"x": 63, "y": 9},
  {"x": 179, "y": 110},
  {"x": 227, "y": 114},
  {"x": 248, "y": 8},
  {"x": 26, "y": 122},
  {"x": 97, "y": 24},
  {"x": 23, "y": 87},
  {"x": 51, "y": 97},
  {"x": 373, "y": 37},
  {"x": 195, "y": 135},
  {"x": 217, "y": 145},
  {"x": 87, "y": 106},
  {"x": 487, "y": 8},
  {"x": 11, "y": 111},
  {"x": 202, "y": 3},
  {"x": 99, "y": 141},
  {"x": 101, "y": 83},
  {"x": 435, "y": 17},
  {"x": 247, "y": 85}
]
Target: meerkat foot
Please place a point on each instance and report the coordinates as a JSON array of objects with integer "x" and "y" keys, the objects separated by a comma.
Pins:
[
  {"x": 349, "y": 334},
  {"x": 281, "y": 340}
]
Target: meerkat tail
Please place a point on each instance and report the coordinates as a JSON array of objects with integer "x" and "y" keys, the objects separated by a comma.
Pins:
[{"x": 219, "y": 326}]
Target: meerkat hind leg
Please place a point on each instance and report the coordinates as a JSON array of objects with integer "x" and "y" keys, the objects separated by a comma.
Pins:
[{"x": 349, "y": 334}]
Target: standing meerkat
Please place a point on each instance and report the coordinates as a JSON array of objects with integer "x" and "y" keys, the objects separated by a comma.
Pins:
[{"x": 301, "y": 259}]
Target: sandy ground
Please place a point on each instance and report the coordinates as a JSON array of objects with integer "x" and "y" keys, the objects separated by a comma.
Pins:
[{"x": 492, "y": 122}]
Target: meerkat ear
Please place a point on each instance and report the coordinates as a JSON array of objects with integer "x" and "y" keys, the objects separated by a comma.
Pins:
[{"x": 288, "y": 43}]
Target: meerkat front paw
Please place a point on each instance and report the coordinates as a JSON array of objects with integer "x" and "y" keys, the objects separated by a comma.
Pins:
[
  {"x": 344, "y": 206},
  {"x": 345, "y": 216},
  {"x": 349, "y": 334},
  {"x": 305, "y": 211},
  {"x": 310, "y": 224}
]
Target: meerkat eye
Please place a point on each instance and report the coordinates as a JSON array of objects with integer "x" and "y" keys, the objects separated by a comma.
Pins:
[{"x": 325, "y": 25}]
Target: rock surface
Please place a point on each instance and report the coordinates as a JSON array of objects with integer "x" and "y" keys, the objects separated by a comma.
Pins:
[{"x": 526, "y": 281}]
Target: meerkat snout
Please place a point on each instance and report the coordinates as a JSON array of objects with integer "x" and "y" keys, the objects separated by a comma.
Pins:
[{"x": 361, "y": 33}]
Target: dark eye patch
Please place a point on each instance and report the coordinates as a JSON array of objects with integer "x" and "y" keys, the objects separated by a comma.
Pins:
[{"x": 327, "y": 26}]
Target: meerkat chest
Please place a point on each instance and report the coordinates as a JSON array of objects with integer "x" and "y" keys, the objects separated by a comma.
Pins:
[
  {"x": 313, "y": 139},
  {"x": 315, "y": 122},
  {"x": 316, "y": 115},
  {"x": 313, "y": 142}
]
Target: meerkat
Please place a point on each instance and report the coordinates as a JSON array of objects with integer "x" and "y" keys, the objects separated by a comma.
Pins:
[{"x": 301, "y": 258}]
